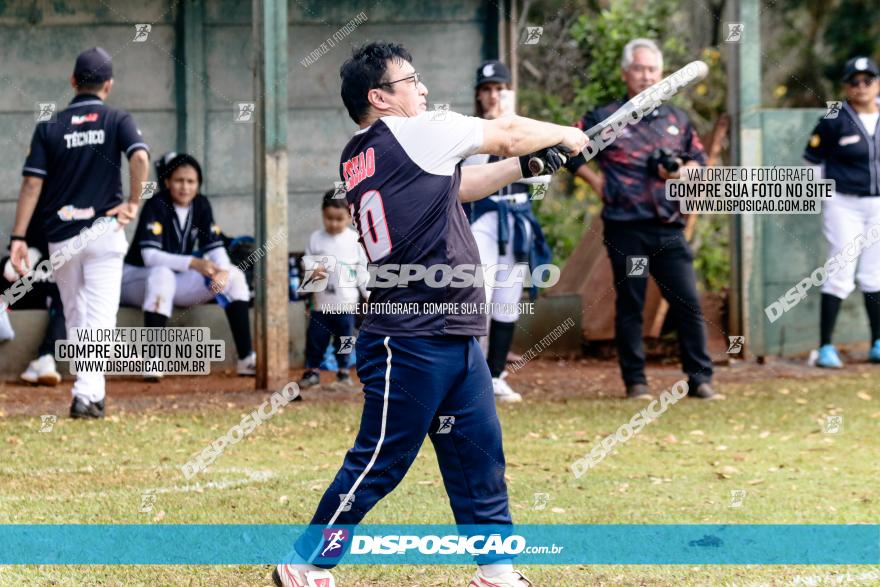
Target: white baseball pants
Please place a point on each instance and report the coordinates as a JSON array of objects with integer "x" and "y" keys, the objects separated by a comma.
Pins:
[
  {"x": 845, "y": 217},
  {"x": 89, "y": 284},
  {"x": 159, "y": 289}
]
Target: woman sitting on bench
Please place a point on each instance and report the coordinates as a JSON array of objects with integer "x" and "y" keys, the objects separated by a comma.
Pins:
[{"x": 161, "y": 271}]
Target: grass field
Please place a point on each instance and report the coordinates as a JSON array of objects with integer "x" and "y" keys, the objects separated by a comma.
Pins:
[{"x": 766, "y": 438}]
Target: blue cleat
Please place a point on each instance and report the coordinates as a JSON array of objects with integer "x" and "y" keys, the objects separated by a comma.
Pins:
[
  {"x": 874, "y": 354},
  {"x": 828, "y": 357}
]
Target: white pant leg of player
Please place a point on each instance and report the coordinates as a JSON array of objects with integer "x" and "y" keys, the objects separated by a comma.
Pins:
[
  {"x": 150, "y": 288},
  {"x": 842, "y": 221},
  {"x": 485, "y": 231},
  {"x": 502, "y": 289},
  {"x": 191, "y": 289},
  {"x": 868, "y": 273},
  {"x": 89, "y": 284},
  {"x": 868, "y": 268}
]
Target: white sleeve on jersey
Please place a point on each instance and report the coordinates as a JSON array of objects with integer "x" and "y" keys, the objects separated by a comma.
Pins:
[
  {"x": 154, "y": 257},
  {"x": 437, "y": 142},
  {"x": 219, "y": 256}
]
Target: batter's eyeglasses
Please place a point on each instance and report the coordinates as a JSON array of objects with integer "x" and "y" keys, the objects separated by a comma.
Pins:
[
  {"x": 415, "y": 77},
  {"x": 865, "y": 81}
]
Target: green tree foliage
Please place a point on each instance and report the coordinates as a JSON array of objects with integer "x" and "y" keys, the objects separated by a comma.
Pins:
[{"x": 576, "y": 67}]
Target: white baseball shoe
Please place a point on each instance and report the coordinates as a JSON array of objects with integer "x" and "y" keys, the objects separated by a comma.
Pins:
[
  {"x": 42, "y": 371},
  {"x": 503, "y": 391},
  {"x": 247, "y": 365},
  {"x": 511, "y": 579},
  {"x": 288, "y": 576}
]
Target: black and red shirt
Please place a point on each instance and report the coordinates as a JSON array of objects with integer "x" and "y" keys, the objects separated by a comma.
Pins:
[{"x": 632, "y": 191}]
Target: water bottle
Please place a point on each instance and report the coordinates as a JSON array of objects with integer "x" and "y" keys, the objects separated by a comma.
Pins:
[
  {"x": 221, "y": 298},
  {"x": 293, "y": 279}
]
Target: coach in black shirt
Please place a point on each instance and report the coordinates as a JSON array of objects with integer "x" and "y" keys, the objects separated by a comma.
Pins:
[
  {"x": 644, "y": 231},
  {"x": 73, "y": 168}
]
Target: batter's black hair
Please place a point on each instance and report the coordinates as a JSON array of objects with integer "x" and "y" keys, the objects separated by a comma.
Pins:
[
  {"x": 329, "y": 201},
  {"x": 365, "y": 70},
  {"x": 182, "y": 160}
]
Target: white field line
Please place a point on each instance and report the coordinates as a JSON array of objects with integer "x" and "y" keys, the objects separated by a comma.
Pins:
[{"x": 251, "y": 476}]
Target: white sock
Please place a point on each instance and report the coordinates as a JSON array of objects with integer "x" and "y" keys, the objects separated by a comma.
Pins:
[{"x": 497, "y": 569}]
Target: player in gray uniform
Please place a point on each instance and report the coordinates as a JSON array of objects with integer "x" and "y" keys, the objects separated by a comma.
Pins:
[{"x": 74, "y": 166}]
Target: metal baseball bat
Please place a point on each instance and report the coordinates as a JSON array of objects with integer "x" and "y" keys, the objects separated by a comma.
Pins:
[{"x": 635, "y": 108}]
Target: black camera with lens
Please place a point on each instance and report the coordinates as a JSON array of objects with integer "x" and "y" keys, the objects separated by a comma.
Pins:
[{"x": 668, "y": 159}]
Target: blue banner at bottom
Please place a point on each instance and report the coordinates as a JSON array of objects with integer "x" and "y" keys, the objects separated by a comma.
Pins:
[{"x": 116, "y": 544}]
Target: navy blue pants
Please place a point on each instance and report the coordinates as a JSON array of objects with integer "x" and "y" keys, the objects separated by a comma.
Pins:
[
  {"x": 321, "y": 327},
  {"x": 437, "y": 386}
]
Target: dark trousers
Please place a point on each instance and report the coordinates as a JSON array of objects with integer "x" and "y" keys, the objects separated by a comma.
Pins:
[
  {"x": 670, "y": 263},
  {"x": 321, "y": 327},
  {"x": 434, "y": 386},
  {"x": 56, "y": 329}
]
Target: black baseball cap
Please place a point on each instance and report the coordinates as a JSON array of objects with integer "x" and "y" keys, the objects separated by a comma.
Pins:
[
  {"x": 860, "y": 65},
  {"x": 492, "y": 71},
  {"x": 93, "y": 66}
]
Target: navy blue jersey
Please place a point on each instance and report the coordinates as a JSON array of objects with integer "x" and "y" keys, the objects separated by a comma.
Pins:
[
  {"x": 632, "y": 192},
  {"x": 850, "y": 155},
  {"x": 402, "y": 178},
  {"x": 158, "y": 227},
  {"x": 78, "y": 156}
]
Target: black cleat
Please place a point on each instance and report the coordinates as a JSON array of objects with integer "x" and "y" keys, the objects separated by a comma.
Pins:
[
  {"x": 703, "y": 391},
  {"x": 638, "y": 391},
  {"x": 81, "y": 408},
  {"x": 309, "y": 379}
]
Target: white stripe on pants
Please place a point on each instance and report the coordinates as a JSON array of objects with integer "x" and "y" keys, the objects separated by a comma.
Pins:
[
  {"x": 844, "y": 218},
  {"x": 89, "y": 284}
]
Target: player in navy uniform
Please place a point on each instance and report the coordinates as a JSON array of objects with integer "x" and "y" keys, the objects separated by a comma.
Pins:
[
  {"x": 405, "y": 185},
  {"x": 74, "y": 165},
  {"x": 847, "y": 146},
  {"x": 506, "y": 231},
  {"x": 161, "y": 270}
]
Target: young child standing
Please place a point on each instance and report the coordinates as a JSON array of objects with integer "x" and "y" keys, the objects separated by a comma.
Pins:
[{"x": 335, "y": 257}]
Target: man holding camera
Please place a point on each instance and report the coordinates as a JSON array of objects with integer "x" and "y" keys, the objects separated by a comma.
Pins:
[{"x": 644, "y": 231}]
